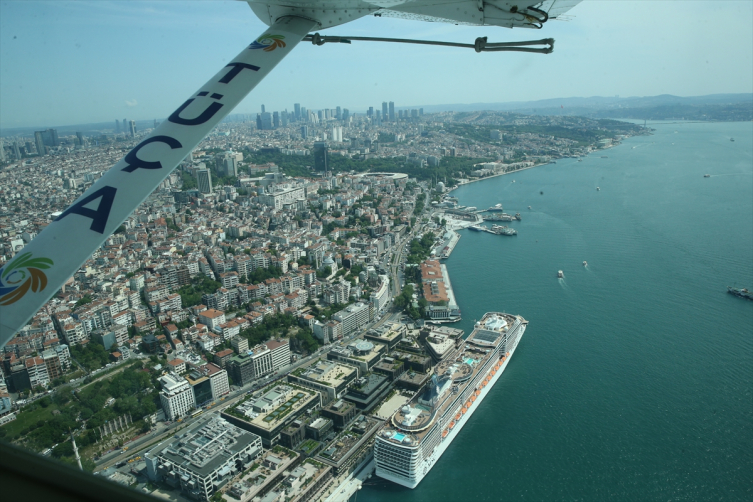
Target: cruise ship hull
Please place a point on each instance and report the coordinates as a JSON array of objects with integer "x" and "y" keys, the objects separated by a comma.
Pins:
[{"x": 426, "y": 465}]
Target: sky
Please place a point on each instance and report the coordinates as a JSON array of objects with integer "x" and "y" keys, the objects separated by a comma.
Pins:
[{"x": 74, "y": 62}]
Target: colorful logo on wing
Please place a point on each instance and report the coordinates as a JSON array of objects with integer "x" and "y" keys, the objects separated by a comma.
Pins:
[
  {"x": 268, "y": 43},
  {"x": 21, "y": 275}
]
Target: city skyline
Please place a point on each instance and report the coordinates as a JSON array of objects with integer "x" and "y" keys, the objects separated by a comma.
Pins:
[{"x": 606, "y": 48}]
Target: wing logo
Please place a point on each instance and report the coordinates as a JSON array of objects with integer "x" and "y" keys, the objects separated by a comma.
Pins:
[
  {"x": 268, "y": 42},
  {"x": 20, "y": 275}
]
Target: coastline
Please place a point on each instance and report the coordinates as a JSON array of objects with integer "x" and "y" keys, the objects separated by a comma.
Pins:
[{"x": 496, "y": 175}]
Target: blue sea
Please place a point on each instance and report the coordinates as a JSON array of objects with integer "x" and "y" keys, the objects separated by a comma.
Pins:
[{"x": 634, "y": 380}]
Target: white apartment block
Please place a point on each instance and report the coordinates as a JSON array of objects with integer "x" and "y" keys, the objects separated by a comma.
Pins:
[
  {"x": 352, "y": 317},
  {"x": 176, "y": 396},
  {"x": 212, "y": 318},
  {"x": 218, "y": 380},
  {"x": 280, "y": 352},
  {"x": 282, "y": 197}
]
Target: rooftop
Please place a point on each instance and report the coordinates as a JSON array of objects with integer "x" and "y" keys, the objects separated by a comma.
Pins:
[{"x": 207, "y": 446}]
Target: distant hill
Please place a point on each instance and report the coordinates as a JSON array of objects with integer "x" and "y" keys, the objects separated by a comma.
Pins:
[{"x": 589, "y": 105}]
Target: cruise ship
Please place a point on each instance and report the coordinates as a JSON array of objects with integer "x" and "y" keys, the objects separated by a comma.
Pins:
[{"x": 417, "y": 434}]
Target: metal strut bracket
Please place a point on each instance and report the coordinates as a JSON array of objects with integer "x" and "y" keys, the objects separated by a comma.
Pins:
[{"x": 479, "y": 45}]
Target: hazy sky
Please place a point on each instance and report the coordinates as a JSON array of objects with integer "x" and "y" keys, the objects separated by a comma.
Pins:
[{"x": 92, "y": 61}]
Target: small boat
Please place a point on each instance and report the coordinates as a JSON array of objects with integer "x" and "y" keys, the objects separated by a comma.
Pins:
[
  {"x": 732, "y": 139},
  {"x": 560, "y": 274},
  {"x": 541, "y": 192},
  {"x": 518, "y": 217},
  {"x": 529, "y": 207},
  {"x": 598, "y": 189},
  {"x": 585, "y": 263},
  {"x": 707, "y": 176},
  {"x": 741, "y": 292}
]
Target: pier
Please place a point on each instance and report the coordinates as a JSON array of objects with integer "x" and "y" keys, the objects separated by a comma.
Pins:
[{"x": 450, "y": 240}]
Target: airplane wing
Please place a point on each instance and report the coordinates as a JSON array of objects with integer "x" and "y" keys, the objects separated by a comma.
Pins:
[{"x": 503, "y": 13}]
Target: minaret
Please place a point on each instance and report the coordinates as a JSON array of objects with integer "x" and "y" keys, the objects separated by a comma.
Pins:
[{"x": 75, "y": 452}]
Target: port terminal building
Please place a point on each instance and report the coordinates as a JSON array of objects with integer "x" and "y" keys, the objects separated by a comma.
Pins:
[
  {"x": 202, "y": 460},
  {"x": 269, "y": 413}
]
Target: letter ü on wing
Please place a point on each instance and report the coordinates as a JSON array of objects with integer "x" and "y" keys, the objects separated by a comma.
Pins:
[{"x": 38, "y": 271}]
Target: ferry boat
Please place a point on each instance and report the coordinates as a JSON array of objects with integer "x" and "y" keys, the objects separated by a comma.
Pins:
[
  {"x": 598, "y": 189},
  {"x": 741, "y": 292},
  {"x": 500, "y": 217},
  {"x": 707, "y": 176},
  {"x": 477, "y": 228},
  {"x": 417, "y": 434},
  {"x": 496, "y": 207},
  {"x": 518, "y": 217},
  {"x": 732, "y": 139},
  {"x": 503, "y": 230},
  {"x": 560, "y": 274}
]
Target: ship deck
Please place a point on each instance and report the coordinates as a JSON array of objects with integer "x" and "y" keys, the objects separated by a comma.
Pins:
[{"x": 461, "y": 367}]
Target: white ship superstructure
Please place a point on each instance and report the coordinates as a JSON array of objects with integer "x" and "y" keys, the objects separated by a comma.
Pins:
[{"x": 412, "y": 441}]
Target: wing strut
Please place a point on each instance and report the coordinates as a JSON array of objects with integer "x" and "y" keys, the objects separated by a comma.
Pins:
[
  {"x": 479, "y": 45},
  {"x": 39, "y": 270}
]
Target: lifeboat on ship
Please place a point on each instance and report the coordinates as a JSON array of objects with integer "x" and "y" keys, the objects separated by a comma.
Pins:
[
  {"x": 452, "y": 424},
  {"x": 444, "y": 433},
  {"x": 457, "y": 417},
  {"x": 478, "y": 393},
  {"x": 464, "y": 410}
]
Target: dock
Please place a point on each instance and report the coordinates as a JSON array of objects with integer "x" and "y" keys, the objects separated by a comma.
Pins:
[{"x": 445, "y": 250}]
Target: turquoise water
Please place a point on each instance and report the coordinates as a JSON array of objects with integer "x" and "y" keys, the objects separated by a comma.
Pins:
[
  {"x": 398, "y": 436},
  {"x": 634, "y": 378}
]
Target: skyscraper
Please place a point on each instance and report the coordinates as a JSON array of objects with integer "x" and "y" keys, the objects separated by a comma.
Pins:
[
  {"x": 264, "y": 121},
  {"x": 117, "y": 126},
  {"x": 39, "y": 143},
  {"x": 370, "y": 113},
  {"x": 392, "y": 111},
  {"x": 284, "y": 117},
  {"x": 229, "y": 164},
  {"x": 297, "y": 111},
  {"x": 346, "y": 115},
  {"x": 275, "y": 119},
  {"x": 321, "y": 156},
  {"x": 304, "y": 132},
  {"x": 263, "y": 109},
  {"x": 17, "y": 151},
  {"x": 304, "y": 114},
  {"x": 2, "y": 151},
  {"x": 133, "y": 128},
  {"x": 338, "y": 113},
  {"x": 385, "y": 111},
  {"x": 80, "y": 138},
  {"x": 204, "y": 180},
  {"x": 125, "y": 125}
]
